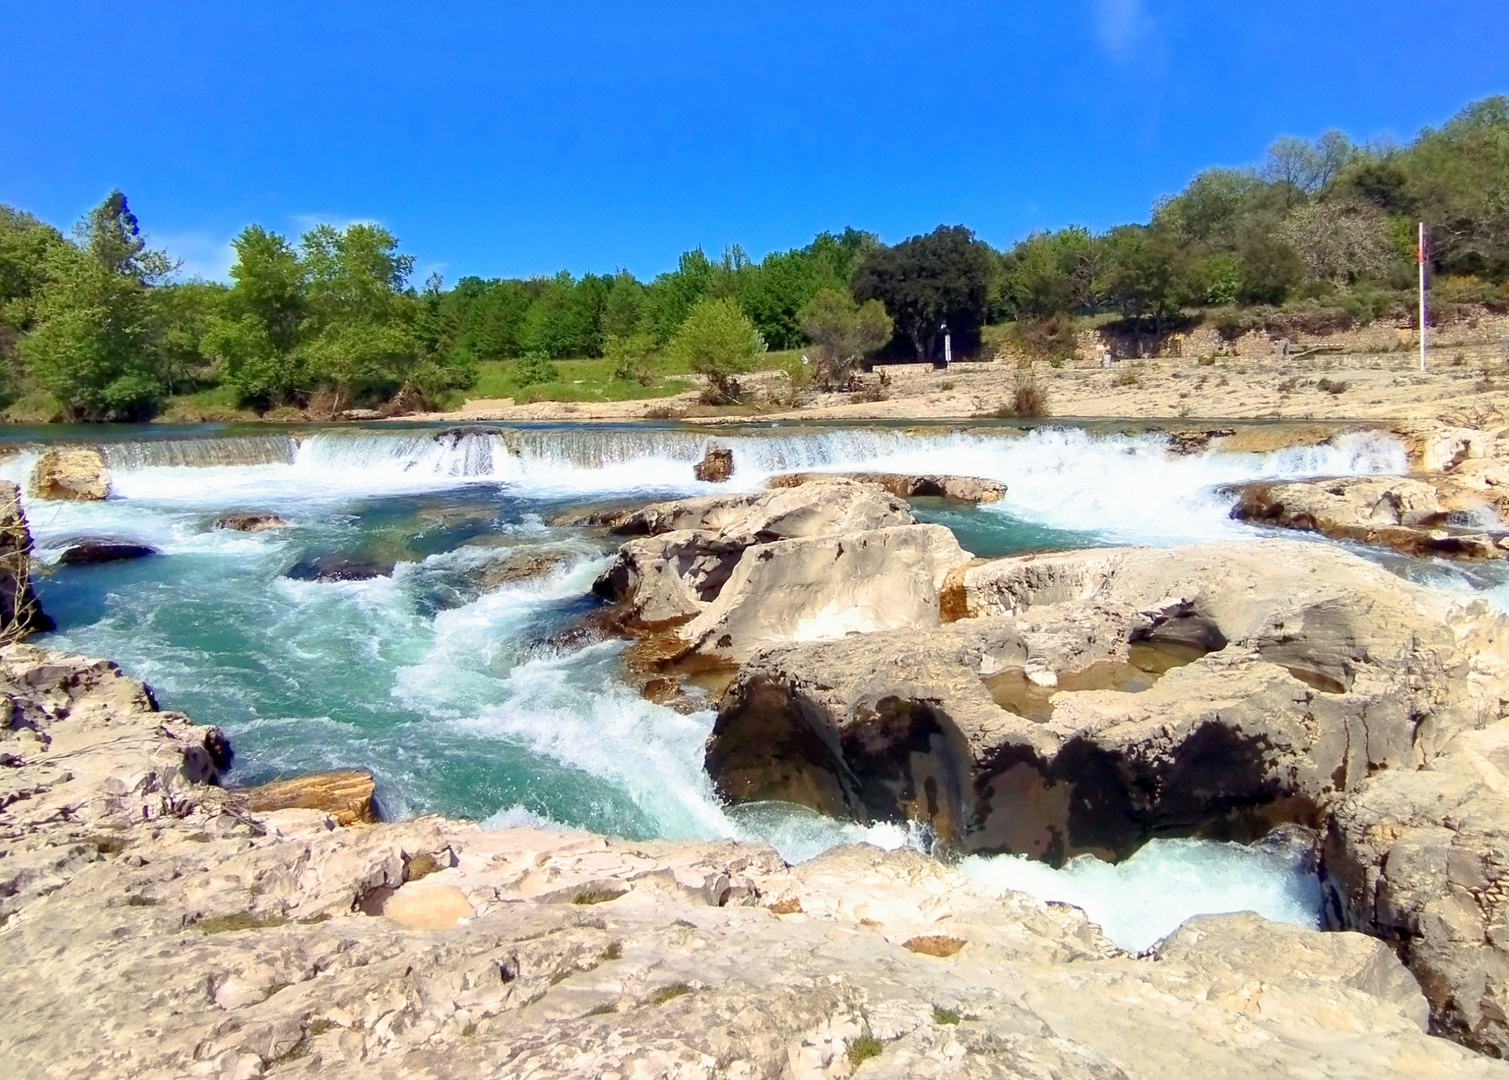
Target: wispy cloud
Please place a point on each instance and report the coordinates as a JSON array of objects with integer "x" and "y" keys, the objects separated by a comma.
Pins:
[
  {"x": 1125, "y": 29},
  {"x": 201, "y": 254}
]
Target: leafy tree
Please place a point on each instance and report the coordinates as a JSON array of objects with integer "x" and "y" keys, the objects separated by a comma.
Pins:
[
  {"x": 926, "y": 281},
  {"x": 1049, "y": 274},
  {"x": 254, "y": 341},
  {"x": 1140, "y": 275},
  {"x": 624, "y": 306},
  {"x": 630, "y": 356},
  {"x": 94, "y": 346},
  {"x": 844, "y": 332},
  {"x": 25, "y": 244},
  {"x": 535, "y": 367},
  {"x": 1271, "y": 268},
  {"x": 671, "y": 297},
  {"x": 719, "y": 341},
  {"x": 1341, "y": 241}
]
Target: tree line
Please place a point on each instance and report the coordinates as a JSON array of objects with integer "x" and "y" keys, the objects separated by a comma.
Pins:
[{"x": 1322, "y": 233}]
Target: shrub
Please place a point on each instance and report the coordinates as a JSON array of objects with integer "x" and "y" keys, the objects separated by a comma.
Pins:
[
  {"x": 863, "y": 1049},
  {"x": 1338, "y": 386},
  {"x": 1127, "y": 376},
  {"x": 534, "y": 368},
  {"x": 717, "y": 340},
  {"x": 1029, "y": 397}
]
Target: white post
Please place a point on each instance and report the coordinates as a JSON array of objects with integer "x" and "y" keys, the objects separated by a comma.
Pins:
[
  {"x": 948, "y": 349},
  {"x": 1420, "y": 258}
]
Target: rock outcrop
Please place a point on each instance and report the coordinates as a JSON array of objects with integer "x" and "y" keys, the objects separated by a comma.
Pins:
[
  {"x": 20, "y": 614},
  {"x": 1093, "y": 699},
  {"x": 716, "y": 466},
  {"x": 717, "y": 579},
  {"x": 153, "y": 927},
  {"x": 1420, "y": 858},
  {"x": 347, "y": 796},
  {"x": 339, "y": 568},
  {"x": 93, "y": 552},
  {"x": 972, "y": 489},
  {"x": 1408, "y": 514},
  {"x": 252, "y": 523},
  {"x": 77, "y": 475}
]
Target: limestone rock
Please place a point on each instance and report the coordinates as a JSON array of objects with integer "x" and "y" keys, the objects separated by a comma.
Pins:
[
  {"x": 722, "y": 578},
  {"x": 20, "y": 613},
  {"x": 205, "y": 938},
  {"x": 972, "y": 489},
  {"x": 339, "y": 568},
  {"x": 347, "y": 796},
  {"x": 78, "y": 475},
  {"x": 252, "y": 523},
  {"x": 1406, "y": 514},
  {"x": 1420, "y": 858},
  {"x": 1099, "y": 698},
  {"x": 716, "y": 466}
]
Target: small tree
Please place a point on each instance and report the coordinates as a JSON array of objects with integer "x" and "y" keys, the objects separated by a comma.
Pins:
[
  {"x": 717, "y": 340},
  {"x": 844, "y": 332}
]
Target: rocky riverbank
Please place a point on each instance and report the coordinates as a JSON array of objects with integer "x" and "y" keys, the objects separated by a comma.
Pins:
[{"x": 155, "y": 923}]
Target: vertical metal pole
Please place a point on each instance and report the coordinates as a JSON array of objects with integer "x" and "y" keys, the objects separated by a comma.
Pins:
[
  {"x": 948, "y": 349},
  {"x": 1420, "y": 258}
]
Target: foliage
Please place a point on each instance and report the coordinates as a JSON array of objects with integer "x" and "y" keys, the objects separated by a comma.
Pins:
[
  {"x": 928, "y": 282},
  {"x": 93, "y": 346},
  {"x": 1029, "y": 397},
  {"x": 843, "y": 332},
  {"x": 719, "y": 341},
  {"x": 863, "y": 1049},
  {"x": 535, "y": 367}
]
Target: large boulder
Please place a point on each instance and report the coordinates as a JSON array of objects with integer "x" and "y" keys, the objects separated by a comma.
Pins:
[
  {"x": 716, "y": 466},
  {"x": 1096, "y": 699},
  {"x": 252, "y": 523},
  {"x": 77, "y": 475},
  {"x": 347, "y": 796},
  {"x": 972, "y": 489},
  {"x": 92, "y": 552},
  {"x": 1420, "y": 858},
  {"x": 1406, "y": 514},
  {"x": 719, "y": 579}
]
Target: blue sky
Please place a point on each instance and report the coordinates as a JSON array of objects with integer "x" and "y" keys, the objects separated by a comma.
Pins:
[{"x": 519, "y": 138}]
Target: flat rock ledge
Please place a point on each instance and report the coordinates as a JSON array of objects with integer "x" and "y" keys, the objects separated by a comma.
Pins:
[
  {"x": 152, "y": 927},
  {"x": 973, "y": 489}
]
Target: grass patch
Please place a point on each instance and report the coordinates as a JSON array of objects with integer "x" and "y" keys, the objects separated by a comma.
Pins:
[
  {"x": 614, "y": 951},
  {"x": 944, "y": 1016},
  {"x": 863, "y": 1049},
  {"x": 217, "y": 404},
  {"x": 592, "y": 379},
  {"x": 34, "y": 407},
  {"x": 670, "y": 993},
  {"x": 601, "y": 1010},
  {"x": 245, "y": 920}
]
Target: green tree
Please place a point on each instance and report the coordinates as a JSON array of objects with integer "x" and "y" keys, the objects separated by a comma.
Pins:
[
  {"x": 1140, "y": 276},
  {"x": 95, "y": 341},
  {"x": 1049, "y": 274},
  {"x": 719, "y": 341},
  {"x": 844, "y": 332},
  {"x": 254, "y": 342},
  {"x": 671, "y": 297},
  {"x": 624, "y": 306},
  {"x": 929, "y": 280}
]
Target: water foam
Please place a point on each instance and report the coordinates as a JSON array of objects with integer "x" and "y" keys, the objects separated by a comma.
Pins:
[{"x": 1146, "y": 897}]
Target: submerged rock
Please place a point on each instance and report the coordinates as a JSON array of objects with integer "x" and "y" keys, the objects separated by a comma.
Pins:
[
  {"x": 252, "y": 523},
  {"x": 716, "y": 466},
  {"x": 92, "y": 552},
  {"x": 339, "y": 568},
  {"x": 77, "y": 475},
  {"x": 347, "y": 796},
  {"x": 972, "y": 489}
]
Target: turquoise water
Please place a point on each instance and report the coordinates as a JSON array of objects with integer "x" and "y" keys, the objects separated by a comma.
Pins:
[{"x": 451, "y": 693}]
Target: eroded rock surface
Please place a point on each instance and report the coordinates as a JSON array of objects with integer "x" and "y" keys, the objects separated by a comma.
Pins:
[
  {"x": 1420, "y": 858},
  {"x": 716, "y": 466},
  {"x": 154, "y": 928},
  {"x": 972, "y": 489},
  {"x": 720, "y": 578},
  {"x": 1098, "y": 698},
  {"x": 77, "y": 475},
  {"x": 252, "y": 523},
  {"x": 20, "y": 613},
  {"x": 345, "y": 795}
]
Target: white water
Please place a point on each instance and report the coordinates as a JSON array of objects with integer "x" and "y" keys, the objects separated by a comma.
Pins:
[
  {"x": 332, "y": 674},
  {"x": 1144, "y": 898}
]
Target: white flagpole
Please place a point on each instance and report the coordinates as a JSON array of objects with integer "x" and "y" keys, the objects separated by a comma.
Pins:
[{"x": 1420, "y": 258}]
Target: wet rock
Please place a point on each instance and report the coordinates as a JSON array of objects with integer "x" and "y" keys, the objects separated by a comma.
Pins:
[
  {"x": 972, "y": 489},
  {"x": 522, "y": 564},
  {"x": 347, "y": 796},
  {"x": 339, "y": 568},
  {"x": 1092, "y": 700},
  {"x": 716, "y": 466},
  {"x": 1405, "y": 514},
  {"x": 1196, "y": 441},
  {"x": 252, "y": 523},
  {"x": 76, "y": 475},
  {"x": 93, "y": 552},
  {"x": 20, "y": 613}
]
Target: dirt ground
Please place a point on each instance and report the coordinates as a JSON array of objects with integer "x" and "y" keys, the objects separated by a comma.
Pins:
[{"x": 1463, "y": 387}]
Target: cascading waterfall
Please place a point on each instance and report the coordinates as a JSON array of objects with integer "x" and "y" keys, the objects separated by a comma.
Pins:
[{"x": 448, "y": 690}]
